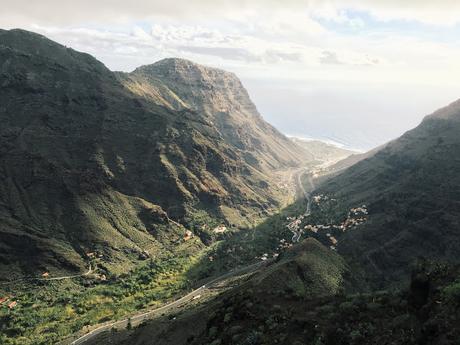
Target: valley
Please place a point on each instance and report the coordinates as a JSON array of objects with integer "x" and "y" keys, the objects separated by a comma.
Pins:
[
  {"x": 127, "y": 190},
  {"x": 335, "y": 272},
  {"x": 150, "y": 285},
  {"x": 159, "y": 205}
]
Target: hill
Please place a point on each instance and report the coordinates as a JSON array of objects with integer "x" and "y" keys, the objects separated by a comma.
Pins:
[
  {"x": 412, "y": 192},
  {"x": 424, "y": 312}
]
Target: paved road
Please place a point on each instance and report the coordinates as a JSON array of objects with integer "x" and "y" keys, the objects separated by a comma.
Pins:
[
  {"x": 139, "y": 318},
  {"x": 306, "y": 194},
  {"x": 296, "y": 234}
]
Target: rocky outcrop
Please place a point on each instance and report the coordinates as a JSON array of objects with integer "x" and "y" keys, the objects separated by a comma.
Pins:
[{"x": 219, "y": 100}]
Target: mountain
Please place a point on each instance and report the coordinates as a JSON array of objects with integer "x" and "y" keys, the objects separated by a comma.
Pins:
[
  {"x": 219, "y": 99},
  {"x": 110, "y": 168},
  {"x": 411, "y": 188},
  {"x": 123, "y": 164},
  {"x": 382, "y": 266}
]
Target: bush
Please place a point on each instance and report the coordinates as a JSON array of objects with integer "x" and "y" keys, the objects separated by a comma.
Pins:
[{"x": 452, "y": 293}]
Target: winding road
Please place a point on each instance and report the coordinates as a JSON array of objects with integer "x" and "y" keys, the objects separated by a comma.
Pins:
[
  {"x": 306, "y": 194},
  {"x": 146, "y": 315},
  {"x": 296, "y": 234}
]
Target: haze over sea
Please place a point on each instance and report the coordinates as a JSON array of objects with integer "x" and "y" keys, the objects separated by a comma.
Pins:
[{"x": 357, "y": 117}]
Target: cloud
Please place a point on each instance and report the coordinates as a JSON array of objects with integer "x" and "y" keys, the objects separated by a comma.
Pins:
[
  {"x": 440, "y": 12},
  {"x": 223, "y": 52},
  {"x": 265, "y": 40},
  {"x": 329, "y": 58},
  {"x": 291, "y": 47},
  {"x": 66, "y": 12}
]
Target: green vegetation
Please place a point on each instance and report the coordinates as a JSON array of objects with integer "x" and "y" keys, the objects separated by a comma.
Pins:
[
  {"x": 111, "y": 163},
  {"x": 50, "y": 311},
  {"x": 452, "y": 292},
  {"x": 238, "y": 248},
  {"x": 425, "y": 313}
]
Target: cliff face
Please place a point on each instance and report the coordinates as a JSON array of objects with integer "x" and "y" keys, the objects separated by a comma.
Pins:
[
  {"x": 219, "y": 99},
  {"x": 93, "y": 160}
]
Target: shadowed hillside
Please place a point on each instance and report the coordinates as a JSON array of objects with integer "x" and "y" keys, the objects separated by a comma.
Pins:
[
  {"x": 91, "y": 161},
  {"x": 411, "y": 188}
]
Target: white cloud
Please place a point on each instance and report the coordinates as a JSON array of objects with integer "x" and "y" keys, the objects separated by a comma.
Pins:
[{"x": 66, "y": 12}]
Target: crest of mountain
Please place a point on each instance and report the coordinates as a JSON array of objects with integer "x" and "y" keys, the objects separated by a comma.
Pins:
[
  {"x": 220, "y": 100},
  {"x": 92, "y": 160}
]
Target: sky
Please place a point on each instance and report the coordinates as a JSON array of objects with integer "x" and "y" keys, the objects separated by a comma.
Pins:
[{"x": 356, "y": 72}]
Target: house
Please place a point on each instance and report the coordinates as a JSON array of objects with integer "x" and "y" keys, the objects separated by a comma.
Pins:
[
  {"x": 12, "y": 304},
  {"x": 220, "y": 229},
  {"x": 45, "y": 274},
  {"x": 188, "y": 235},
  {"x": 3, "y": 299}
]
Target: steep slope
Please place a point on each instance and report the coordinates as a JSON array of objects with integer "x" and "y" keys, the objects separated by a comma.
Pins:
[
  {"x": 220, "y": 100},
  {"x": 411, "y": 188},
  {"x": 86, "y": 164}
]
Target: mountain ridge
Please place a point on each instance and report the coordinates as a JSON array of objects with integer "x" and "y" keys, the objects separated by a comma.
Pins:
[
  {"x": 219, "y": 98},
  {"x": 412, "y": 191},
  {"x": 89, "y": 165}
]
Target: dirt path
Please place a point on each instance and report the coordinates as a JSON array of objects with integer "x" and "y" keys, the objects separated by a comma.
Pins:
[{"x": 90, "y": 270}]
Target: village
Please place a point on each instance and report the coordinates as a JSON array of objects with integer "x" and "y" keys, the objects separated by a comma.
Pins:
[{"x": 355, "y": 217}]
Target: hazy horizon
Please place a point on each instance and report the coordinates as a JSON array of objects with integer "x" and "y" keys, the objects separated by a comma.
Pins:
[{"x": 359, "y": 73}]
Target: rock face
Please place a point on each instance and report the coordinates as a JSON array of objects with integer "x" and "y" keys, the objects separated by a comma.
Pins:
[
  {"x": 93, "y": 160},
  {"x": 221, "y": 101}
]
